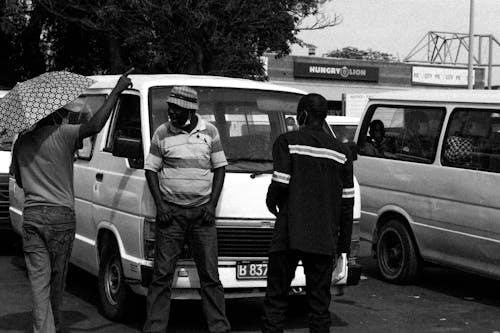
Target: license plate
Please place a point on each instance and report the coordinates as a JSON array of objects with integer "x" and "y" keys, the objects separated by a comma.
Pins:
[{"x": 248, "y": 270}]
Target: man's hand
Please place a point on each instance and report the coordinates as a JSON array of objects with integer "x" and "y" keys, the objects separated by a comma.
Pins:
[
  {"x": 124, "y": 82},
  {"x": 209, "y": 214},
  {"x": 163, "y": 215},
  {"x": 271, "y": 206}
]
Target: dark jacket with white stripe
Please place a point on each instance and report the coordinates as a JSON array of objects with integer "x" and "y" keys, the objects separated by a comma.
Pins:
[{"x": 313, "y": 187}]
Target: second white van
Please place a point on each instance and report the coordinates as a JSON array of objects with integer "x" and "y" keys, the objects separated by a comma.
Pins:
[{"x": 429, "y": 172}]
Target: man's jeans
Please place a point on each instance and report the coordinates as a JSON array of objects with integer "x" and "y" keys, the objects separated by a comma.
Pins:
[
  {"x": 48, "y": 234},
  {"x": 191, "y": 225}
]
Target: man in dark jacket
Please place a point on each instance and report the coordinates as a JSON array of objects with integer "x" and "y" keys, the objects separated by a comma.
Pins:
[{"x": 312, "y": 195}]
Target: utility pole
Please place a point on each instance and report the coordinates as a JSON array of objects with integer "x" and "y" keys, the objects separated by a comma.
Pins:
[{"x": 470, "y": 76}]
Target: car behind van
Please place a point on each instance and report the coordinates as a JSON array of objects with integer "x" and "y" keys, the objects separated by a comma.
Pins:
[
  {"x": 115, "y": 213},
  {"x": 429, "y": 172}
]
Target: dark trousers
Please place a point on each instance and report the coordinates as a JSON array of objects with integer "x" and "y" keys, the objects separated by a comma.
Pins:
[
  {"x": 187, "y": 224},
  {"x": 48, "y": 234},
  {"x": 318, "y": 271}
]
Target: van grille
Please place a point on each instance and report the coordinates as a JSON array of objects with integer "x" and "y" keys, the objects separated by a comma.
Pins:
[
  {"x": 4, "y": 202},
  {"x": 244, "y": 242}
]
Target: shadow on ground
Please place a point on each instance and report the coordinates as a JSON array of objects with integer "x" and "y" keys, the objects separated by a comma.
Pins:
[
  {"x": 23, "y": 320},
  {"x": 447, "y": 281},
  {"x": 10, "y": 243}
]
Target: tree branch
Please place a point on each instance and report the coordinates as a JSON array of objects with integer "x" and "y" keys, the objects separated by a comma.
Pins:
[{"x": 321, "y": 21}]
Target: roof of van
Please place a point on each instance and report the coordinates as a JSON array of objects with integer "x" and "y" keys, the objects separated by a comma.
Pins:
[
  {"x": 150, "y": 80},
  {"x": 440, "y": 95}
]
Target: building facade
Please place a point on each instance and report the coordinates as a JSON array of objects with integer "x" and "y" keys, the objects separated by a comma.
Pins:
[{"x": 341, "y": 79}]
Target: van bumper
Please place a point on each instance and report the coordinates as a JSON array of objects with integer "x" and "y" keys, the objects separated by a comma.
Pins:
[{"x": 186, "y": 282}]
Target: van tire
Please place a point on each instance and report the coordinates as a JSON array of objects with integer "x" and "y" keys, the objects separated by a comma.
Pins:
[
  {"x": 397, "y": 256},
  {"x": 114, "y": 294}
]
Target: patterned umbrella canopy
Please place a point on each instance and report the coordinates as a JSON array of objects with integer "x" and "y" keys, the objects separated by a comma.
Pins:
[{"x": 34, "y": 99}]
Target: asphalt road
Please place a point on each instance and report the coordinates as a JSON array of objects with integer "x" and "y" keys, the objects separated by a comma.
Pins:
[{"x": 443, "y": 301}]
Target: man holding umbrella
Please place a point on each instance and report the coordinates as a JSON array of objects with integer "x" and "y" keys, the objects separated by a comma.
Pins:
[{"x": 42, "y": 162}]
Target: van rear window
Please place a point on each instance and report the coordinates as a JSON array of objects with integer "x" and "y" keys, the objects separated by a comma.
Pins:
[{"x": 473, "y": 140}]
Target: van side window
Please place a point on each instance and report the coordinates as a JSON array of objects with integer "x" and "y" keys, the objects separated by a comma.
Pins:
[
  {"x": 473, "y": 140},
  {"x": 90, "y": 105},
  {"x": 401, "y": 132},
  {"x": 126, "y": 123}
]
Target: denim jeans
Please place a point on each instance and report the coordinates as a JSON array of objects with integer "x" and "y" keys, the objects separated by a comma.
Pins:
[
  {"x": 48, "y": 234},
  {"x": 318, "y": 270},
  {"x": 191, "y": 225}
]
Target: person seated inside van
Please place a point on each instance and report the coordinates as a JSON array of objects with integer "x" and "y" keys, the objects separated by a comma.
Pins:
[
  {"x": 466, "y": 147},
  {"x": 377, "y": 144},
  {"x": 291, "y": 124},
  {"x": 416, "y": 140}
]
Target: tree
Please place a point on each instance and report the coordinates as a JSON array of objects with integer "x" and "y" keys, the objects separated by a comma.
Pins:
[
  {"x": 20, "y": 54},
  {"x": 353, "y": 53},
  {"x": 216, "y": 37}
]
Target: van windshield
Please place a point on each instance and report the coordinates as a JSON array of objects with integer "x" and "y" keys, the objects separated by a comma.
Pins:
[{"x": 248, "y": 121}]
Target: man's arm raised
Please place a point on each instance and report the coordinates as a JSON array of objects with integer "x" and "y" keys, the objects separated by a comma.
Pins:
[{"x": 96, "y": 123}]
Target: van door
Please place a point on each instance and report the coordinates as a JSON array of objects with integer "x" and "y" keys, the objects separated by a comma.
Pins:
[
  {"x": 468, "y": 212},
  {"x": 397, "y": 151},
  {"x": 83, "y": 254},
  {"x": 119, "y": 185}
]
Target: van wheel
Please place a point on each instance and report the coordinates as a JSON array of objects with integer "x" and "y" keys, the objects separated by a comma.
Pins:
[
  {"x": 114, "y": 293},
  {"x": 397, "y": 256}
]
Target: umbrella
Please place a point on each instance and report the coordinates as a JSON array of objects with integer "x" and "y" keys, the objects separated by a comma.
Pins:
[{"x": 34, "y": 99}]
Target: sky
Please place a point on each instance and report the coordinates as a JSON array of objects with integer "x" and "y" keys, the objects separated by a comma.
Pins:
[{"x": 396, "y": 26}]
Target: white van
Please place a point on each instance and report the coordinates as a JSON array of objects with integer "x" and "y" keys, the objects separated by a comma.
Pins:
[
  {"x": 115, "y": 211},
  {"x": 430, "y": 183}
]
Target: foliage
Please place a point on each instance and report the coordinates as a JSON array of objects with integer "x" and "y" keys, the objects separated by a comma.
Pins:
[
  {"x": 354, "y": 53},
  {"x": 215, "y": 37}
]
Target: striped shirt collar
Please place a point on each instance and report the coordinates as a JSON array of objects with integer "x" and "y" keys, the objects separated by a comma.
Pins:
[{"x": 200, "y": 126}]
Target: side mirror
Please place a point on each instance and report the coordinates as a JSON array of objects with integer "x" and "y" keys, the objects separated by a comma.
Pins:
[{"x": 130, "y": 148}]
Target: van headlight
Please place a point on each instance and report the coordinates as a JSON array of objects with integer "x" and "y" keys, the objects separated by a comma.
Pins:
[{"x": 149, "y": 237}]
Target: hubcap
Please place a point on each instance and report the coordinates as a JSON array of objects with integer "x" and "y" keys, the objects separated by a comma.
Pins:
[
  {"x": 392, "y": 253},
  {"x": 112, "y": 280}
]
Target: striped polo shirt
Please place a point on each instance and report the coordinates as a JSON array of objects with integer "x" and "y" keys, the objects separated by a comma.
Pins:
[{"x": 184, "y": 162}]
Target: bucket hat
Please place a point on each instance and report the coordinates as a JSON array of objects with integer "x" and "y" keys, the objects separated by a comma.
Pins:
[{"x": 185, "y": 97}]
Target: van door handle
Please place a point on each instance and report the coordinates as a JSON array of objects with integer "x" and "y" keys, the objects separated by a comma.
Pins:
[{"x": 99, "y": 176}]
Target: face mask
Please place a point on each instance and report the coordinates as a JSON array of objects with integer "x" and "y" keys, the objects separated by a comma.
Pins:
[
  {"x": 187, "y": 123},
  {"x": 289, "y": 128}
]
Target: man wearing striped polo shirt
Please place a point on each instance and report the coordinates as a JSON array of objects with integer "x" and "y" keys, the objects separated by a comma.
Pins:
[
  {"x": 312, "y": 196},
  {"x": 185, "y": 170}
]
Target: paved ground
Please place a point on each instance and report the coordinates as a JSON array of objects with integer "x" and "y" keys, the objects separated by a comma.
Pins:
[{"x": 444, "y": 301}]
